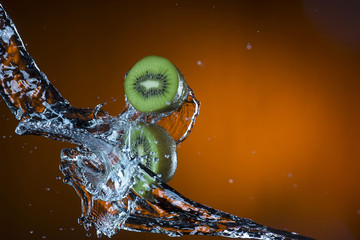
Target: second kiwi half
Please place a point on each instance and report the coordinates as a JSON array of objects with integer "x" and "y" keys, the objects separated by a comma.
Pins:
[{"x": 157, "y": 150}]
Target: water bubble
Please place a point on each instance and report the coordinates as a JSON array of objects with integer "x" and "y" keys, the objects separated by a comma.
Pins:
[
  {"x": 58, "y": 178},
  {"x": 72, "y": 229},
  {"x": 98, "y": 234},
  {"x": 47, "y": 189},
  {"x": 295, "y": 185},
  {"x": 43, "y": 237},
  {"x": 231, "y": 181},
  {"x": 60, "y": 229},
  {"x": 358, "y": 212},
  {"x": 31, "y": 231},
  {"x": 88, "y": 234},
  {"x": 289, "y": 174},
  {"x": 199, "y": 63},
  {"x": 248, "y": 46},
  {"x": 253, "y": 152}
]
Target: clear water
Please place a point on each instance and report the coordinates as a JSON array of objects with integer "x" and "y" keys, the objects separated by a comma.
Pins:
[{"x": 101, "y": 169}]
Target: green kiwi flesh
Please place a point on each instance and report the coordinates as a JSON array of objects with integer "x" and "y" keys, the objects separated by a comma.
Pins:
[
  {"x": 158, "y": 151},
  {"x": 154, "y": 84}
]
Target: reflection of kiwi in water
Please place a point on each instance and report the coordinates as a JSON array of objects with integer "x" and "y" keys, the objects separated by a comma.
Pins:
[
  {"x": 154, "y": 84},
  {"x": 158, "y": 150}
]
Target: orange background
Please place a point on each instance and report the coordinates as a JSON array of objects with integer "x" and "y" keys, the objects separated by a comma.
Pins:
[{"x": 277, "y": 139}]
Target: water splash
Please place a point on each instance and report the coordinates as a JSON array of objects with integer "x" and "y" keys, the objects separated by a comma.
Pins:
[{"x": 101, "y": 169}]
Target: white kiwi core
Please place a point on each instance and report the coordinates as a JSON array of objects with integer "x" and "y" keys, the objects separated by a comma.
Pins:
[{"x": 150, "y": 84}]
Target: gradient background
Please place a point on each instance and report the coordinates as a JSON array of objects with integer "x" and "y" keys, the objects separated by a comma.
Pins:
[{"x": 278, "y": 136}]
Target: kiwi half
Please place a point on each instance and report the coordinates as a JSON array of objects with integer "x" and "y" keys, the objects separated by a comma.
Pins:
[
  {"x": 158, "y": 151},
  {"x": 154, "y": 84}
]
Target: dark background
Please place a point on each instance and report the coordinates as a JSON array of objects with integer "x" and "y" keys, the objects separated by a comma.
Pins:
[{"x": 278, "y": 136}]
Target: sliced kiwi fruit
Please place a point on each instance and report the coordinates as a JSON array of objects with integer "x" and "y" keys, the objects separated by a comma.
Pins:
[
  {"x": 158, "y": 152},
  {"x": 154, "y": 84}
]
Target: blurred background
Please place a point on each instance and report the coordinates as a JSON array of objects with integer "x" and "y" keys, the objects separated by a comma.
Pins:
[{"x": 278, "y": 136}]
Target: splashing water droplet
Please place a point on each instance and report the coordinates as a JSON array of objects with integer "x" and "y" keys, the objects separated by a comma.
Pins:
[{"x": 248, "y": 46}]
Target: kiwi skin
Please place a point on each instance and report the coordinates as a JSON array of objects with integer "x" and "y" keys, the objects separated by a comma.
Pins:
[
  {"x": 177, "y": 98},
  {"x": 164, "y": 149}
]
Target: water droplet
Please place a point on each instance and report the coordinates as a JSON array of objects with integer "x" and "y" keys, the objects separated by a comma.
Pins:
[{"x": 248, "y": 46}]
